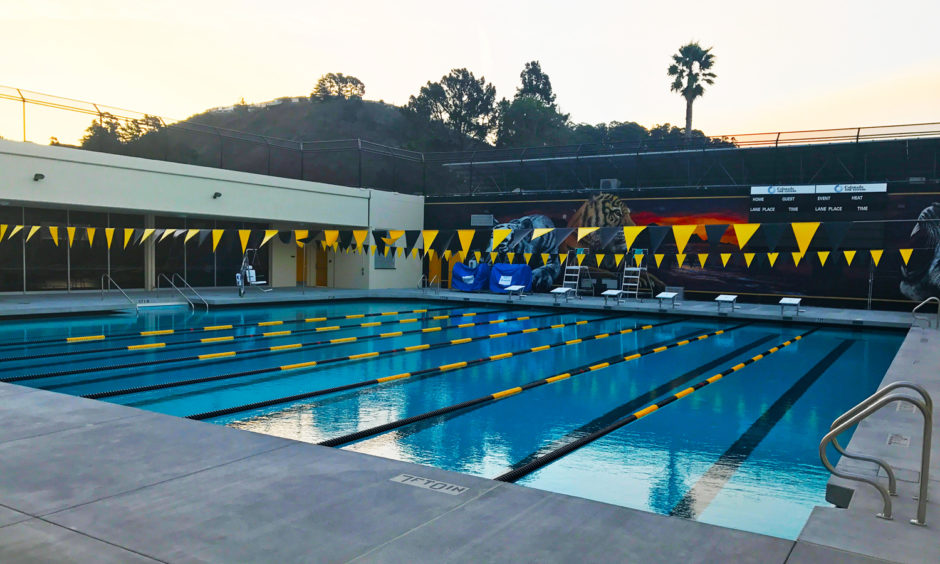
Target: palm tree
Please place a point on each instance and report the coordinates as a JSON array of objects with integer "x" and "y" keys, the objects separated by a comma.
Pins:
[{"x": 690, "y": 68}]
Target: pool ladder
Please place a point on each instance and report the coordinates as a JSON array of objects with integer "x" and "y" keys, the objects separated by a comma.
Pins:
[
  {"x": 926, "y": 316},
  {"x": 177, "y": 276},
  {"x": 868, "y": 406}
]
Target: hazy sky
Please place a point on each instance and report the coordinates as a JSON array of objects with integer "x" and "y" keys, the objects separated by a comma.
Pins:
[{"x": 781, "y": 66}]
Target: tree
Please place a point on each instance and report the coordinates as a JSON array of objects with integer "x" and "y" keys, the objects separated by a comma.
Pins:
[
  {"x": 691, "y": 68},
  {"x": 536, "y": 84},
  {"x": 102, "y": 135},
  {"x": 460, "y": 101},
  {"x": 529, "y": 121},
  {"x": 332, "y": 86}
]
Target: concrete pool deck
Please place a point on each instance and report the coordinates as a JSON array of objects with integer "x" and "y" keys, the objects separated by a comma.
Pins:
[{"x": 89, "y": 481}]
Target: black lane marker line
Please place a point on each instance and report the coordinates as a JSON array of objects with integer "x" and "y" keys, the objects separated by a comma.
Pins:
[
  {"x": 636, "y": 403},
  {"x": 317, "y": 363},
  {"x": 234, "y": 355},
  {"x": 548, "y": 458},
  {"x": 700, "y": 495},
  {"x": 419, "y": 373},
  {"x": 215, "y": 341},
  {"x": 208, "y": 328},
  {"x": 358, "y": 435}
]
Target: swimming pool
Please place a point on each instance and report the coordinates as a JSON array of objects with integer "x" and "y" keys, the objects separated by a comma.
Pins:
[{"x": 738, "y": 452}]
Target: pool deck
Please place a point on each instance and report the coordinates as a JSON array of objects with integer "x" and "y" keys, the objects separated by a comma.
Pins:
[{"x": 89, "y": 481}]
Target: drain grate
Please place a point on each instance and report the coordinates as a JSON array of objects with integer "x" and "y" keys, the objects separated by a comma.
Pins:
[{"x": 897, "y": 439}]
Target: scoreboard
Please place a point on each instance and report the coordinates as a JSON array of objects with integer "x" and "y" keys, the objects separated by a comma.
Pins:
[{"x": 818, "y": 202}]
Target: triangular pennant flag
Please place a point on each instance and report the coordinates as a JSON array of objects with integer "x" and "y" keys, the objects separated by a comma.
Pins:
[
  {"x": 905, "y": 254},
  {"x": 715, "y": 232},
  {"x": 606, "y": 235},
  {"x": 128, "y": 235},
  {"x": 493, "y": 255},
  {"x": 157, "y": 233},
  {"x": 617, "y": 258},
  {"x": 528, "y": 257},
  {"x": 443, "y": 240},
  {"x": 477, "y": 255},
  {"x": 411, "y": 239},
  {"x": 400, "y": 251},
  {"x": 414, "y": 253},
  {"x": 372, "y": 250},
  {"x": 90, "y": 231},
  {"x": 243, "y": 235},
  {"x": 743, "y": 232},
  {"x": 147, "y": 233},
  {"x": 359, "y": 236},
  {"x": 499, "y": 235},
  {"x": 109, "y": 235},
  {"x": 657, "y": 235},
  {"x": 428, "y": 236},
  {"x": 346, "y": 237},
  {"x": 299, "y": 236},
  {"x": 772, "y": 258},
  {"x": 585, "y": 231},
  {"x": 69, "y": 231},
  {"x": 562, "y": 233},
  {"x": 659, "y": 259},
  {"x": 331, "y": 235},
  {"x": 385, "y": 251},
  {"x": 466, "y": 237},
  {"x": 804, "y": 231},
  {"x": 138, "y": 233},
  {"x": 166, "y": 234},
  {"x": 835, "y": 232},
  {"x": 216, "y": 237},
  {"x": 32, "y": 231},
  {"x": 630, "y": 234},
  {"x": 395, "y": 235},
  {"x": 268, "y": 234},
  {"x": 797, "y": 257},
  {"x": 518, "y": 236},
  {"x": 680, "y": 258},
  {"x": 545, "y": 258},
  {"x": 580, "y": 257},
  {"x": 725, "y": 257},
  {"x": 536, "y": 233},
  {"x": 682, "y": 233},
  {"x": 322, "y": 244},
  {"x": 748, "y": 258},
  {"x": 203, "y": 235},
  {"x": 562, "y": 259},
  {"x": 876, "y": 256},
  {"x": 16, "y": 229},
  {"x": 823, "y": 257},
  {"x": 638, "y": 259},
  {"x": 510, "y": 257},
  {"x": 599, "y": 258},
  {"x": 3, "y": 230},
  {"x": 849, "y": 256},
  {"x": 54, "y": 231},
  {"x": 772, "y": 233},
  {"x": 702, "y": 257},
  {"x": 190, "y": 234}
]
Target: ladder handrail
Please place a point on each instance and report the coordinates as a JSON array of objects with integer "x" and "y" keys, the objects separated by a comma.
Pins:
[
  {"x": 191, "y": 289},
  {"x": 110, "y": 282},
  {"x": 864, "y": 409},
  {"x": 172, "y": 285},
  {"x": 922, "y": 304}
]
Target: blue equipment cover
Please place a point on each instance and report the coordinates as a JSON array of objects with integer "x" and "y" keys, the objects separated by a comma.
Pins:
[
  {"x": 469, "y": 279},
  {"x": 505, "y": 275}
]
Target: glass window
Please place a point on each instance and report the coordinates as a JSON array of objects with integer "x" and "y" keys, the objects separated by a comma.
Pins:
[
  {"x": 127, "y": 264},
  {"x": 11, "y": 250},
  {"x": 200, "y": 261},
  {"x": 46, "y": 260},
  {"x": 88, "y": 259},
  {"x": 170, "y": 255}
]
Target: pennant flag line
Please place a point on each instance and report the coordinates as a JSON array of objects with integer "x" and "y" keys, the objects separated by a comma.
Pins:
[
  {"x": 876, "y": 256},
  {"x": 54, "y": 231},
  {"x": 823, "y": 257},
  {"x": 682, "y": 233},
  {"x": 849, "y": 255},
  {"x": 905, "y": 254},
  {"x": 804, "y": 231}
]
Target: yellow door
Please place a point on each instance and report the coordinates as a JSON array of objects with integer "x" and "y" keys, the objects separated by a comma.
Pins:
[
  {"x": 321, "y": 266},
  {"x": 434, "y": 270},
  {"x": 301, "y": 265}
]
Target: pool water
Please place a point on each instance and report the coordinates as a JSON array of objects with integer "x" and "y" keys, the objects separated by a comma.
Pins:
[{"x": 741, "y": 452}]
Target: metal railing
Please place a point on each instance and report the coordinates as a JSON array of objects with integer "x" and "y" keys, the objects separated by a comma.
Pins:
[
  {"x": 865, "y": 408},
  {"x": 424, "y": 284},
  {"x": 162, "y": 276},
  {"x": 926, "y": 317},
  {"x": 115, "y": 284},
  {"x": 191, "y": 289}
]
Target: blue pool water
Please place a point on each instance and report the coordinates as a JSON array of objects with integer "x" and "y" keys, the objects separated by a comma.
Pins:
[{"x": 740, "y": 452}]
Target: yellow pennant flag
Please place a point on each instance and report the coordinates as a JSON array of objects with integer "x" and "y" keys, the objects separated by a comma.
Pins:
[
  {"x": 659, "y": 259},
  {"x": 359, "y": 236},
  {"x": 748, "y": 258},
  {"x": 166, "y": 234},
  {"x": 493, "y": 256},
  {"x": 510, "y": 257},
  {"x": 680, "y": 258},
  {"x": 429, "y": 253},
  {"x": 447, "y": 256},
  {"x": 682, "y": 233},
  {"x": 599, "y": 257},
  {"x": 385, "y": 251},
  {"x": 323, "y": 245},
  {"x": 401, "y": 251},
  {"x": 905, "y": 254},
  {"x": 32, "y": 231},
  {"x": 499, "y": 235},
  {"x": 190, "y": 234},
  {"x": 91, "y": 235},
  {"x": 128, "y": 234},
  {"x": 849, "y": 255},
  {"x": 743, "y": 232},
  {"x": 617, "y": 258},
  {"x": 330, "y": 236},
  {"x": 478, "y": 255},
  {"x": 823, "y": 257},
  {"x": 725, "y": 257},
  {"x": 54, "y": 231},
  {"x": 16, "y": 229},
  {"x": 638, "y": 259},
  {"x": 466, "y": 237},
  {"x": 147, "y": 233},
  {"x": 216, "y": 237},
  {"x": 702, "y": 257},
  {"x": 528, "y": 257},
  {"x": 562, "y": 258},
  {"x": 414, "y": 253},
  {"x": 876, "y": 256},
  {"x": 300, "y": 234},
  {"x": 536, "y": 233},
  {"x": 804, "y": 234},
  {"x": 268, "y": 233},
  {"x": 545, "y": 257},
  {"x": 372, "y": 250},
  {"x": 3, "y": 230},
  {"x": 797, "y": 257},
  {"x": 630, "y": 233},
  {"x": 243, "y": 235},
  {"x": 428, "y": 236},
  {"x": 109, "y": 235},
  {"x": 585, "y": 231},
  {"x": 581, "y": 258},
  {"x": 772, "y": 257}
]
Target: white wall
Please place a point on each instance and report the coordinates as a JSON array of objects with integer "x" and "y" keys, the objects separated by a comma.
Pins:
[{"x": 396, "y": 211}]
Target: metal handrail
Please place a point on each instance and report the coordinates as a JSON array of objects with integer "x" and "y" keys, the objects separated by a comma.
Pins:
[
  {"x": 191, "y": 289},
  {"x": 172, "y": 285},
  {"x": 110, "y": 282},
  {"x": 922, "y": 304},
  {"x": 863, "y": 410}
]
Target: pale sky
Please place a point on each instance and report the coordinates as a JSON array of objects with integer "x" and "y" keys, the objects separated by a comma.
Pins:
[{"x": 781, "y": 66}]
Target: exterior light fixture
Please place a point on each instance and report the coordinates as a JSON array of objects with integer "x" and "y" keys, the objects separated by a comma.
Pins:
[
  {"x": 217, "y": 195},
  {"x": 38, "y": 176}
]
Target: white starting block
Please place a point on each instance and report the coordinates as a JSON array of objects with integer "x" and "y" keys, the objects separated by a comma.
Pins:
[
  {"x": 663, "y": 296},
  {"x": 612, "y": 294},
  {"x": 563, "y": 291},
  {"x": 515, "y": 289},
  {"x": 726, "y": 299},
  {"x": 795, "y": 302}
]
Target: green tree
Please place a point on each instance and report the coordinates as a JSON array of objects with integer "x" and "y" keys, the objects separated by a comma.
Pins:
[
  {"x": 691, "y": 69},
  {"x": 536, "y": 84},
  {"x": 529, "y": 121},
  {"x": 103, "y": 135},
  {"x": 133, "y": 130},
  {"x": 332, "y": 86},
  {"x": 461, "y": 102}
]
